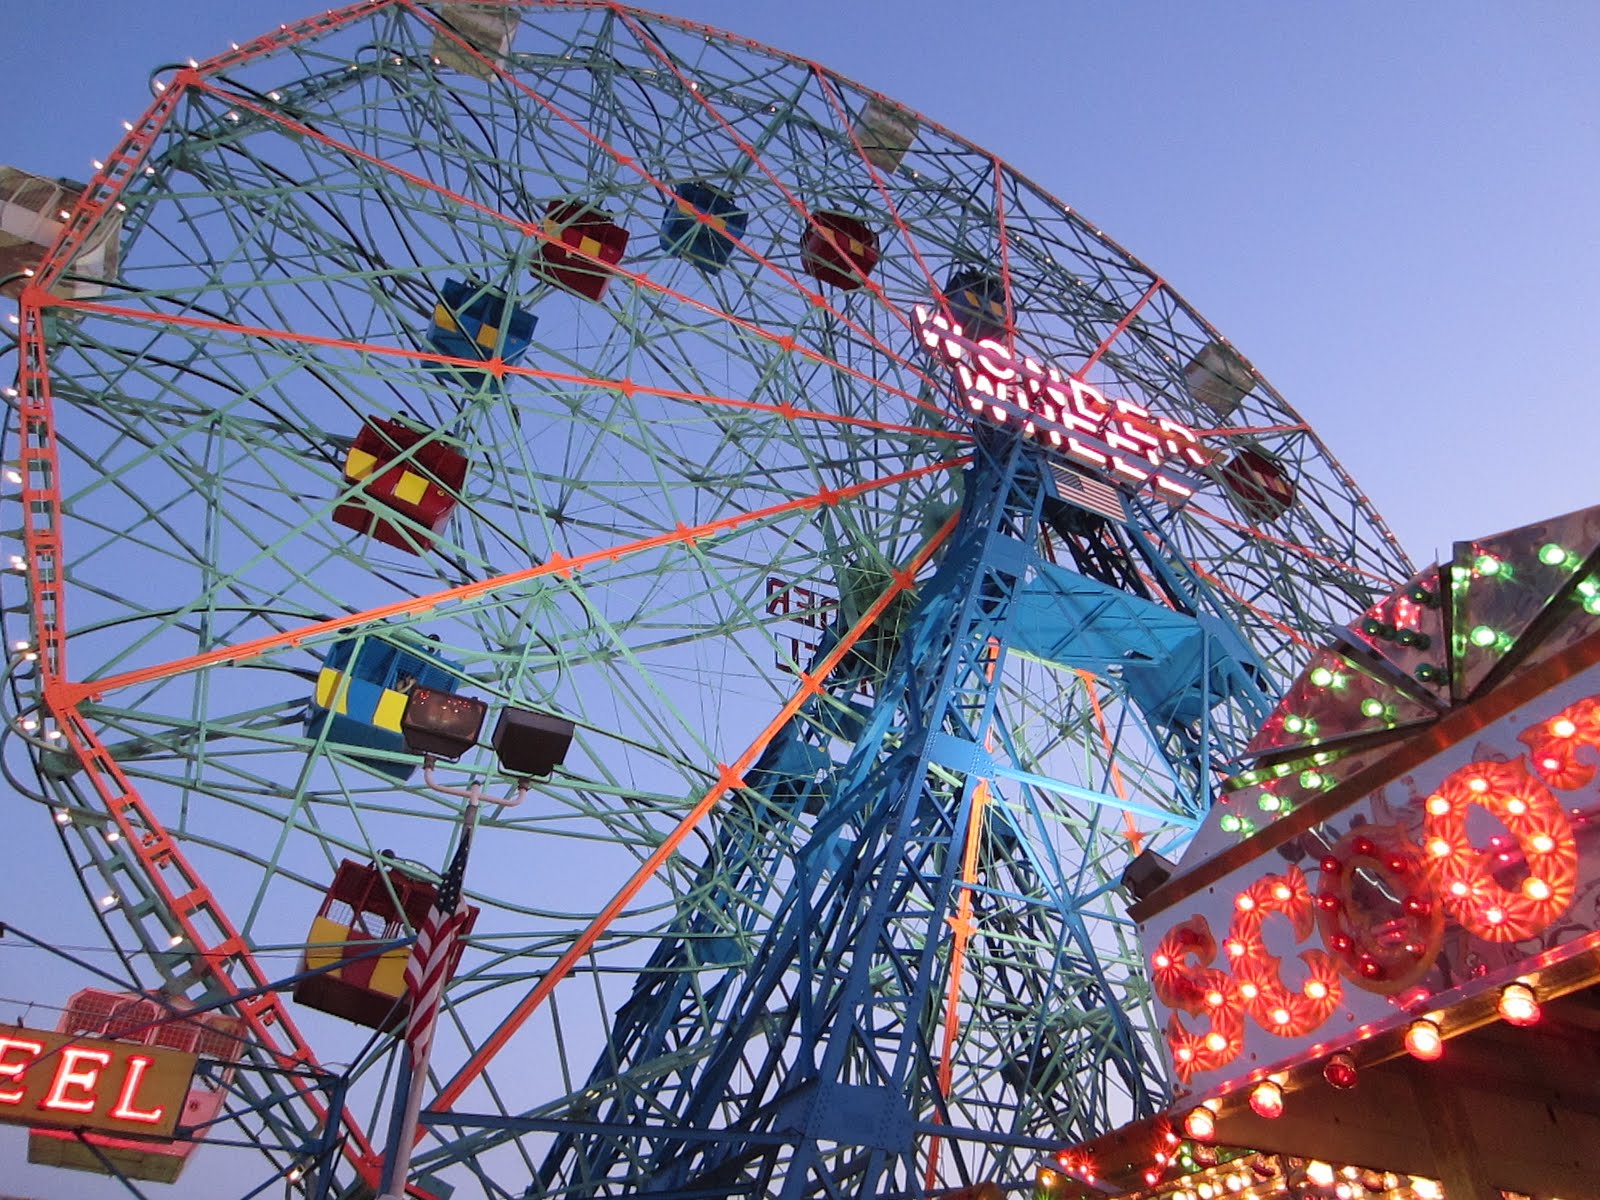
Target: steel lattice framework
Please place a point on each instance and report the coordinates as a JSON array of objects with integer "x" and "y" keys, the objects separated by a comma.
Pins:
[{"x": 870, "y": 718}]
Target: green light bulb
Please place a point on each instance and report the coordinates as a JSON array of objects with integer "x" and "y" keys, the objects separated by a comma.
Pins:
[
  {"x": 1552, "y": 555},
  {"x": 1487, "y": 564},
  {"x": 1482, "y": 635},
  {"x": 1322, "y": 677},
  {"x": 1230, "y": 823},
  {"x": 1267, "y": 802},
  {"x": 1293, "y": 724},
  {"x": 1372, "y": 707},
  {"x": 1591, "y": 605},
  {"x": 1311, "y": 779}
]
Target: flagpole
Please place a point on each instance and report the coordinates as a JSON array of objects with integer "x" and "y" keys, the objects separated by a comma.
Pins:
[
  {"x": 397, "y": 1164},
  {"x": 408, "y": 1109}
]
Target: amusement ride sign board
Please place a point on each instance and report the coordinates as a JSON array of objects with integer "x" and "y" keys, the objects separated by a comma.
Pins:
[
  {"x": 1472, "y": 867},
  {"x": 1121, "y": 439},
  {"x": 1425, "y": 862},
  {"x": 88, "y": 1083}
]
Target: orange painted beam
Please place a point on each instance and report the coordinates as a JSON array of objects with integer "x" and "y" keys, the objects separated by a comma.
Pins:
[
  {"x": 72, "y": 693},
  {"x": 730, "y": 777}
]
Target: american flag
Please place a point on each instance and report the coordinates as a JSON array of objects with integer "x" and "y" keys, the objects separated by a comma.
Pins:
[
  {"x": 1083, "y": 490},
  {"x": 429, "y": 967}
]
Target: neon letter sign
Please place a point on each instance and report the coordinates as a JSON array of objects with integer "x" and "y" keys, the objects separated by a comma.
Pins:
[
  {"x": 1066, "y": 414},
  {"x": 68, "y": 1076},
  {"x": 91, "y": 1083},
  {"x": 14, "y": 1070},
  {"x": 138, "y": 1064}
]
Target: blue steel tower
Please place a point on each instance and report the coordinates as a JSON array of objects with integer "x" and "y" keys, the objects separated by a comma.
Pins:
[{"x": 931, "y": 832}]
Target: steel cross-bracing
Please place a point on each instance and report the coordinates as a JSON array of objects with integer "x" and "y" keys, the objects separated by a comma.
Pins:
[
  {"x": 850, "y": 790},
  {"x": 821, "y": 1066}
]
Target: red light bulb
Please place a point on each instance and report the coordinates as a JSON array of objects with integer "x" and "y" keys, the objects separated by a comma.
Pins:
[
  {"x": 1423, "y": 1040},
  {"x": 1340, "y": 1072},
  {"x": 1200, "y": 1124},
  {"x": 1266, "y": 1100},
  {"x": 1518, "y": 1004}
]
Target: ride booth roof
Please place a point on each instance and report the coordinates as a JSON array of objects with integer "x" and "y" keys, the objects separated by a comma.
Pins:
[{"x": 1380, "y": 950}]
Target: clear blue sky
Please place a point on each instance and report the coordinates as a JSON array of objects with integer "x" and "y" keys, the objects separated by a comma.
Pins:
[{"x": 1393, "y": 210}]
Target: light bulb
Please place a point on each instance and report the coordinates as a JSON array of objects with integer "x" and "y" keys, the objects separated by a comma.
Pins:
[
  {"x": 1266, "y": 1100},
  {"x": 1200, "y": 1124},
  {"x": 1518, "y": 1004},
  {"x": 1340, "y": 1072},
  {"x": 1423, "y": 1040}
]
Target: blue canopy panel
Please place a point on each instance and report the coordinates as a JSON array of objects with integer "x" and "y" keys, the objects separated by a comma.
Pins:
[
  {"x": 361, "y": 695},
  {"x": 700, "y": 225},
  {"x": 1176, "y": 668},
  {"x": 472, "y": 321}
]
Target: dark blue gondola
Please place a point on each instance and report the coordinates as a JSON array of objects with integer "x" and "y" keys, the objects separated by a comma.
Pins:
[
  {"x": 700, "y": 225},
  {"x": 978, "y": 302},
  {"x": 474, "y": 321}
]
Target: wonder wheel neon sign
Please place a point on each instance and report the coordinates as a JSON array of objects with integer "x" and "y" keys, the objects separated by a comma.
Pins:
[{"x": 1119, "y": 437}]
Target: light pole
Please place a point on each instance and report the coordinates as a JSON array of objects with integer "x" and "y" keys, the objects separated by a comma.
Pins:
[{"x": 443, "y": 725}]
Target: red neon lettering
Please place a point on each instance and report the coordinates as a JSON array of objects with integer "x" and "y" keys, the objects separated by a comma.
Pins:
[
  {"x": 996, "y": 359},
  {"x": 14, "y": 1070},
  {"x": 1066, "y": 405},
  {"x": 1127, "y": 437},
  {"x": 930, "y": 326},
  {"x": 999, "y": 377},
  {"x": 125, "y": 1110},
  {"x": 1123, "y": 467},
  {"x": 1084, "y": 452},
  {"x": 1137, "y": 432},
  {"x": 1089, "y": 404},
  {"x": 68, "y": 1076},
  {"x": 1180, "y": 442}
]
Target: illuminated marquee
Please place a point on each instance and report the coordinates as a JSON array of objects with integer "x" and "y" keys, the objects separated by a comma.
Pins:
[
  {"x": 1066, "y": 414},
  {"x": 1522, "y": 889},
  {"x": 88, "y": 1083}
]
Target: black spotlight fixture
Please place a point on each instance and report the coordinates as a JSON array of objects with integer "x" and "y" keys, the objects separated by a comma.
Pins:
[{"x": 530, "y": 743}]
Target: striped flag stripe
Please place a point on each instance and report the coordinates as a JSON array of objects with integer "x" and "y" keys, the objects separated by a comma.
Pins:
[{"x": 429, "y": 967}]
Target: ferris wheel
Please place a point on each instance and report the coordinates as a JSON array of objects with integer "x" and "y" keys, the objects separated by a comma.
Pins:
[{"x": 901, "y": 556}]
